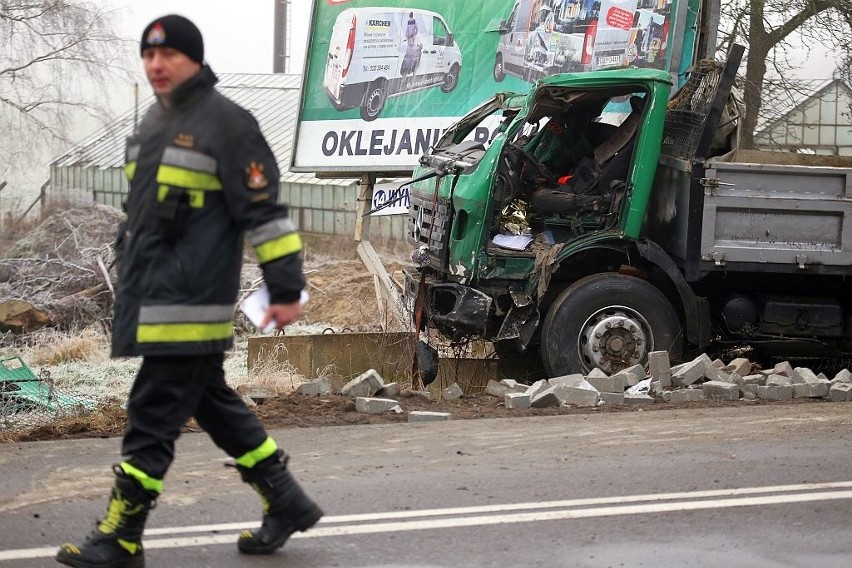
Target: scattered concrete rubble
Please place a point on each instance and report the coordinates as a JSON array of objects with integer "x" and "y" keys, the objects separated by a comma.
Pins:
[{"x": 696, "y": 380}]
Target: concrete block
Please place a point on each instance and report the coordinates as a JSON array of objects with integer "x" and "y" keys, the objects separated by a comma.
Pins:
[
  {"x": 569, "y": 380},
  {"x": 615, "y": 383},
  {"x": 783, "y": 368},
  {"x": 257, "y": 393},
  {"x": 718, "y": 363},
  {"x": 734, "y": 377},
  {"x": 716, "y": 373},
  {"x": 370, "y": 405},
  {"x": 546, "y": 398},
  {"x": 690, "y": 372},
  {"x": 803, "y": 375},
  {"x": 811, "y": 389},
  {"x": 452, "y": 392},
  {"x": 366, "y": 384},
  {"x": 756, "y": 379},
  {"x": 516, "y": 400},
  {"x": 498, "y": 389},
  {"x": 843, "y": 376},
  {"x": 684, "y": 395},
  {"x": 638, "y": 399},
  {"x": 537, "y": 387},
  {"x": 424, "y": 394},
  {"x": 248, "y": 401},
  {"x": 390, "y": 390},
  {"x": 779, "y": 381},
  {"x": 612, "y": 398},
  {"x": 750, "y": 389},
  {"x": 578, "y": 396},
  {"x": 628, "y": 378},
  {"x": 637, "y": 372},
  {"x": 428, "y": 416},
  {"x": 718, "y": 390},
  {"x": 596, "y": 374},
  {"x": 777, "y": 392},
  {"x": 840, "y": 392},
  {"x": 740, "y": 365},
  {"x": 514, "y": 385},
  {"x": 317, "y": 387},
  {"x": 659, "y": 367}
]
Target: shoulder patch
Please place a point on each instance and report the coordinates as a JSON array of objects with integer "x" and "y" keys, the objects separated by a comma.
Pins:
[
  {"x": 184, "y": 140},
  {"x": 256, "y": 178}
]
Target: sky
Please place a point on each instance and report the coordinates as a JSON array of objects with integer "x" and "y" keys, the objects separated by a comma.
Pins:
[{"x": 238, "y": 36}]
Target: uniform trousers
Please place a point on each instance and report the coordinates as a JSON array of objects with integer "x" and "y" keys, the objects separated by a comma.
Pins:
[{"x": 167, "y": 392}]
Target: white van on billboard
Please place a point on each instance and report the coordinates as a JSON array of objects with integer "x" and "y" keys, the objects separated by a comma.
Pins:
[{"x": 378, "y": 53}]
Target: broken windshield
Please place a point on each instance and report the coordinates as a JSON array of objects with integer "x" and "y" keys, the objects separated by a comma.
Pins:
[{"x": 470, "y": 137}]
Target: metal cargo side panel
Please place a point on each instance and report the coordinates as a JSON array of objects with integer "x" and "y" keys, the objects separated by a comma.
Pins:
[{"x": 780, "y": 214}]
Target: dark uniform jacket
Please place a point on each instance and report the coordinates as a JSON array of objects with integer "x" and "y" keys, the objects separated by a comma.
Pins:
[{"x": 201, "y": 177}]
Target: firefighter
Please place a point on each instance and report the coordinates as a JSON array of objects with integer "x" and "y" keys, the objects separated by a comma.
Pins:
[{"x": 201, "y": 177}]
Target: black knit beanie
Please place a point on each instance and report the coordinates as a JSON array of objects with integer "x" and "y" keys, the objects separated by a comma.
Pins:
[{"x": 176, "y": 32}]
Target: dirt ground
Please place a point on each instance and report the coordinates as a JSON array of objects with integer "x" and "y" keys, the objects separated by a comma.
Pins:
[{"x": 298, "y": 411}]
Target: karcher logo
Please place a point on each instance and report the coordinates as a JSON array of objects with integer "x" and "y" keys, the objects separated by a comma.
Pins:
[{"x": 378, "y": 23}]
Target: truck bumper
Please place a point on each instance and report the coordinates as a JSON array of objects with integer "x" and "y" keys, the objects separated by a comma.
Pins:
[{"x": 453, "y": 309}]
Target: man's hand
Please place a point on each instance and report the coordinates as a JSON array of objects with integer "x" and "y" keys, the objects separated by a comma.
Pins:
[{"x": 282, "y": 314}]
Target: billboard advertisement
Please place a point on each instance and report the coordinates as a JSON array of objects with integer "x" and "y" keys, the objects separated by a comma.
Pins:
[{"x": 384, "y": 78}]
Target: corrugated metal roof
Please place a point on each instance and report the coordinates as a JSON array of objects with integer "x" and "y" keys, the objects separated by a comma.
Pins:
[{"x": 273, "y": 99}]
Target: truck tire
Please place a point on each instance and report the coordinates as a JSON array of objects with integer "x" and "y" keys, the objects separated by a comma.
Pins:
[
  {"x": 609, "y": 321},
  {"x": 499, "y": 72},
  {"x": 451, "y": 79},
  {"x": 374, "y": 101}
]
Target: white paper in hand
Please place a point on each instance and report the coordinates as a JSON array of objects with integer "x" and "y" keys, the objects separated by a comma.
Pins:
[{"x": 254, "y": 306}]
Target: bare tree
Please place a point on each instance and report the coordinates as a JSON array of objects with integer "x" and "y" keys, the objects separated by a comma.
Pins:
[
  {"x": 773, "y": 30},
  {"x": 56, "y": 59}
]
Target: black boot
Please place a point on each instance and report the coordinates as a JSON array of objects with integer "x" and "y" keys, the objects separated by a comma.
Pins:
[
  {"x": 117, "y": 540},
  {"x": 286, "y": 507}
]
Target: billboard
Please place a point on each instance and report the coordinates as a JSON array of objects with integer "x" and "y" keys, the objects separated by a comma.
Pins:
[{"x": 384, "y": 78}]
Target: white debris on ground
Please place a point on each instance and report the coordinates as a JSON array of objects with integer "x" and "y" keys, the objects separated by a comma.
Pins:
[{"x": 697, "y": 380}]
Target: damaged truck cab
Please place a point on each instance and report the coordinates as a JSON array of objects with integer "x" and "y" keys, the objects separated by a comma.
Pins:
[
  {"x": 570, "y": 224},
  {"x": 562, "y": 180}
]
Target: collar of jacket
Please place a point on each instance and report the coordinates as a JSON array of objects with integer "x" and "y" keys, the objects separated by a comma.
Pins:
[{"x": 188, "y": 91}]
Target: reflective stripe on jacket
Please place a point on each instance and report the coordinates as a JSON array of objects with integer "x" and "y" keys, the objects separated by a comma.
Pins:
[{"x": 201, "y": 177}]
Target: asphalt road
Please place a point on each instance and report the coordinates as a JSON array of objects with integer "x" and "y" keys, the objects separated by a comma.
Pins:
[{"x": 766, "y": 486}]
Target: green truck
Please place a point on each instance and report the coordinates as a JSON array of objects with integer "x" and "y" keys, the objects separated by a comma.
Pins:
[{"x": 601, "y": 217}]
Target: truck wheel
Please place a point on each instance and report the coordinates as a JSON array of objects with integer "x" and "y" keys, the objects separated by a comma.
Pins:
[
  {"x": 374, "y": 101},
  {"x": 499, "y": 72},
  {"x": 451, "y": 79},
  {"x": 609, "y": 321}
]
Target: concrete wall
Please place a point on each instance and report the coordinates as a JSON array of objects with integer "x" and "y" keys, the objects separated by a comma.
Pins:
[{"x": 350, "y": 354}]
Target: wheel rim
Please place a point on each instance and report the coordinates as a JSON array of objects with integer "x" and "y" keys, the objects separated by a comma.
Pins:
[
  {"x": 450, "y": 81},
  {"x": 374, "y": 102},
  {"x": 613, "y": 338},
  {"x": 498, "y": 69}
]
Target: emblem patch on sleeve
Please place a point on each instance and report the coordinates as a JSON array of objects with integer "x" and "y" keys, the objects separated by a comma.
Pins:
[{"x": 256, "y": 178}]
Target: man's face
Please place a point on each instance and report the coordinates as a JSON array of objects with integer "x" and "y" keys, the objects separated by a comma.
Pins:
[{"x": 166, "y": 68}]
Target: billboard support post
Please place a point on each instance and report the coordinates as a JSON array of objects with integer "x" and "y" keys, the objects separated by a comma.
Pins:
[
  {"x": 388, "y": 293},
  {"x": 362, "y": 209}
]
